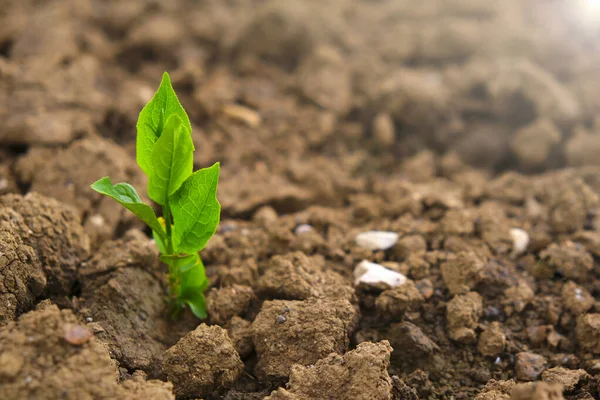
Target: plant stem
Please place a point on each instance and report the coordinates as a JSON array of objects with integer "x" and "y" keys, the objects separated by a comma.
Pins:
[{"x": 167, "y": 217}]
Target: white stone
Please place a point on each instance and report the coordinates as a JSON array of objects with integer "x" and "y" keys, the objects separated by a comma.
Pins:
[
  {"x": 303, "y": 228},
  {"x": 376, "y": 240},
  {"x": 520, "y": 241},
  {"x": 370, "y": 273}
]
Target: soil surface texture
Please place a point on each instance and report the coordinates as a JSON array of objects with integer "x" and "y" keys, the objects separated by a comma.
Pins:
[{"x": 410, "y": 200}]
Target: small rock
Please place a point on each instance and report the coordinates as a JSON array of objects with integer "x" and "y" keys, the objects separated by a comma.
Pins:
[
  {"x": 303, "y": 228},
  {"x": 393, "y": 303},
  {"x": 462, "y": 314},
  {"x": 568, "y": 378},
  {"x": 201, "y": 362},
  {"x": 77, "y": 334},
  {"x": 492, "y": 341},
  {"x": 529, "y": 366},
  {"x": 242, "y": 114},
  {"x": 372, "y": 274},
  {"x": 520, "y": 241},
  {"x": 376, "y": 240},
  {"x": 588, "y": 332}
]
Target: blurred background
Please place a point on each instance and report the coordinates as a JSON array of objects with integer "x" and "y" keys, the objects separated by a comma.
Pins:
[{"x": 303, "y": 102}]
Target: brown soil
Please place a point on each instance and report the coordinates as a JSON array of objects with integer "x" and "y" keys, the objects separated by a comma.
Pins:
[{"x": 468, "y": 128}]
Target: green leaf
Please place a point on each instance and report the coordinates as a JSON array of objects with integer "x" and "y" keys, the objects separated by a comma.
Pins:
[
  {"x": 196, "y": 210},
  {"x": 152, "y": 120},
  {"x": 125, "y": 194},
  {"x": 160, "y": 243},
  {"x": 197, "y": 304},
  {"x": 172, "y": 160},
  {"x": 188, "y": 281}
]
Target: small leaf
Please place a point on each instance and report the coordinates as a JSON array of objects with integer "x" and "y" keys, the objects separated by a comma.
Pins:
[
  {"x": 152, "y": 120},
  {"x": 196, "y": 210},
  {"x": 172, "y": 160},
  {"x": 125, "y": 194},
  {"x": 197, "y": 304}
]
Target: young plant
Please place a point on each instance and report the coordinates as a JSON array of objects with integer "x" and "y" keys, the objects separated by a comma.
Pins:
[{"x": 164, "y": 151}]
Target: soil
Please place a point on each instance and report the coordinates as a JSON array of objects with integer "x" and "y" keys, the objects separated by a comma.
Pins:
[{"x": 468, "y": 130}]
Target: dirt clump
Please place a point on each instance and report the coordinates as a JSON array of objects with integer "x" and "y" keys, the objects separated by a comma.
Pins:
[
  {"x": 569, "y": 379},
  {"x": 412, "y": 347},
  {"x": 492, "y": 341},
  {"x": 325, "y": 326},
  {"x": 569, "y": 259},
  {"x": 496, "y": 390},
  {"x": 54, "y": 231},
  {"x": 37, "y": 360},
  {"x": 295, "y": 276},
  {"x": 588, "y": 332},
  {"x": 393, "y": 303},
  {"x": 529, "y": 366},
  {"x": 360, "y": 374},
  {"x": 463, "y": 313},
  {"x": 577, "y": 299},
  {"x": 124, "y": 293},
  {"x": 22, "y": 276},
  {"x": 66, "y": 174},
  {"x": 537, "y": 391},
  {"x": 224, "y": 303},
  {"x": 462, "y": 272},
  {"x": 202, "y": 362}
]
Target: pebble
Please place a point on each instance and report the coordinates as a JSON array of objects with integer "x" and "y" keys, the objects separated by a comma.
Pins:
[
  {"x": 376, "y": 240},
  {"x": 280, "y": 319},
  {"x": 520, "y": 241},
  {"x": 370, "y": 273},
  {"x": 77, "y": 334},
  {"x": 303, "y": 228}
]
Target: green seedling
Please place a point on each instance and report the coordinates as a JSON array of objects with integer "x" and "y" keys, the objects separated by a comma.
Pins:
[{"x": 164, "y": 151}]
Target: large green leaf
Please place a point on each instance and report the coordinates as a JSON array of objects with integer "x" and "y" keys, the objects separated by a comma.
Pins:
[
  {"x": 125, "y": 194},
  {"x": 196, "y": 210},
  {"x": 152, "y": 120},
  {"x": 172, "y": 160}
]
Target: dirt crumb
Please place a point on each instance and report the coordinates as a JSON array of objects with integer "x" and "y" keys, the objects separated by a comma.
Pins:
[
  {"x": 569, "y": 259},
  {"x": 296, "y": 276},
  {"x": 588, "y": 332},
  {"x": 492, "y": 341},
  {"x": 529, "y": 366},
  {"x": 463, "y": 313},
  {"x": 202, "y": 362},
  {"x": 224, "y": 303},
  {"x": 462, "y": 272},
  {"x": 325, "y": 324},
  {"x": 22, "y": 278},
  {"x": 576, "y": 299},
  {"x": 54, "y": 231},
  {"x": 569, "y": 379},
  {"x": 537, "y": 391},
  {"x": 496, "y": 390},
  {"x": 393, "y": 303},
  {"x": 360, "y": 374}
]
